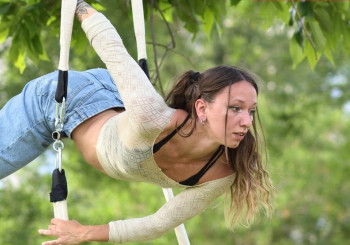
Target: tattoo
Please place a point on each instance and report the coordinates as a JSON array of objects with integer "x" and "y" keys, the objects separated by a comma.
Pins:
[{"x": 81, "y": 9}]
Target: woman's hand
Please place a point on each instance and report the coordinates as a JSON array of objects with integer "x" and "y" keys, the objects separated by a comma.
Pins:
[{"x": 66, "y": 231}]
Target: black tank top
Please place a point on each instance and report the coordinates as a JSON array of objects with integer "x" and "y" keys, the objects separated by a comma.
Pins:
[{"x": 191, "y": 181}]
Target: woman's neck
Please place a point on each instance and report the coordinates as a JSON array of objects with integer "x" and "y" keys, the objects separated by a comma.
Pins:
[{"x": 197, "y": 146}]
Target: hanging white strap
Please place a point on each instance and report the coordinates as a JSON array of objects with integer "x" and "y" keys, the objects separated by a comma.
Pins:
[
  {"x": 67, "y": 17},
  {"x": 139, "y": 27},
  {"x": 180, "y": 231}
]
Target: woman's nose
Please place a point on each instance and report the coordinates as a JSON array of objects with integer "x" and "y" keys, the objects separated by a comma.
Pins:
[{"x": 246, "y": 120}]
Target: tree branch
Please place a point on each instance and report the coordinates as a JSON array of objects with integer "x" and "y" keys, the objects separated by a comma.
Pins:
[
  {"x": 155, "y": 51},
  {"x": 304, "y": 28}
]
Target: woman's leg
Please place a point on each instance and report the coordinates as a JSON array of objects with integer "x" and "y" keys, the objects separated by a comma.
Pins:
[
  {"x": 27, "y": 120},
  {"x": 24, "y": 130}
]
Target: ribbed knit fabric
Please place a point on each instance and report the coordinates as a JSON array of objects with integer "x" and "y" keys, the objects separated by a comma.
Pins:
[{"x": 125, "y": 142}]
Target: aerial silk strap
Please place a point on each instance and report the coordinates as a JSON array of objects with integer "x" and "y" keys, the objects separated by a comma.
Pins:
[
  {"x": 139, "y": 27},
  {"x": 59, "y": 189}
]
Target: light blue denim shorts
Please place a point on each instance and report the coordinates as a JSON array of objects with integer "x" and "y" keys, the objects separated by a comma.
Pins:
[{"x": 28, "y": 119}]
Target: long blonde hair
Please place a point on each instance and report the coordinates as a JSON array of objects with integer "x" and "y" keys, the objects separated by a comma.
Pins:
[{"x": 252, "y": 187}]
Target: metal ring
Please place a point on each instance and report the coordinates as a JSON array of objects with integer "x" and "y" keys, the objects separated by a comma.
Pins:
[
  {"x": 58, "y": 145},
  {"x": 56, "y": 135}
]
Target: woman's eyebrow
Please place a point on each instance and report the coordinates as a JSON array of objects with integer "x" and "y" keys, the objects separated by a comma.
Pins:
[{"x": 242, "y": 101}]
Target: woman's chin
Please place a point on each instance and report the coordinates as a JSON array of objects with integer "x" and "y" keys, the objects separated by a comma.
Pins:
[{"x": 233, "y": 144}]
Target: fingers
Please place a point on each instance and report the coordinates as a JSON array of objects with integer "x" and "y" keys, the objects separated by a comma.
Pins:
[
  {"x": 48, "y": 232},
  {"x": 53, "y": 242},
  {"x": 55, "y": 221}
]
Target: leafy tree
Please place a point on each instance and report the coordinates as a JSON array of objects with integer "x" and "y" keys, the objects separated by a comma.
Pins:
[{"x": 319, "y": 27}]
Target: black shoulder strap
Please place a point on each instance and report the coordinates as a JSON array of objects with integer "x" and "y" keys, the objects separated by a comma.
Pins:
[
  {"x": 159, "y": 145},
  {"x": 191, "y": 181}
]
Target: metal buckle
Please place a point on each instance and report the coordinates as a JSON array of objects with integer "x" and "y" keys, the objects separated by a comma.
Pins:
[
  {"x": 56, "y": 135},
  {"x": 60, "y": 113}
]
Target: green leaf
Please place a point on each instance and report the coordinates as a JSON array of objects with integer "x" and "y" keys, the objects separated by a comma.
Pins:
[
  {"x": 317, "y": 35},
  {"x": 37, "y": 45},
  {"x": 291, "y": 17},
  {"x": 324, "y": 19},
  {"x": 20, "y": 61},
  {"x": 13, "y": 50},
  {"x": 51, "y": 20},
  {"x": 4, "y": 32},
  {"x": 278, "y": 5},
  {"x": 296, "y": 52},
  {"x": 329, "y": 55},
  {"x": 192, "y": 27},
  {"x": 198, "y": 7},
  {"x": 218, "y": 7},
  {"x": 186, "y": 14},
  {"x": 32, "y": 2},
  {"x": 98, "y": 7},
  {"x": 305, "y": 9},
  {"x": 31, "y": 27},
  {"x": 299, "y": 35},
  {"x": 208, "y": 22},
  {"x": 234, "y": 2},
  {"x": 167, "y": 10},
  {"x": 265, "y": 14},
  {"x": 4, "y": 8},
  {"x": 44, "y": 56},
  {"x": 312, "y": 55}
]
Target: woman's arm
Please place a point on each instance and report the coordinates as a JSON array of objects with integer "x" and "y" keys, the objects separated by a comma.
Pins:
[
  {"x": 147, "y": 111},
  {"x": 184, "y": 206},
  {"x": 187, "y": 204}
]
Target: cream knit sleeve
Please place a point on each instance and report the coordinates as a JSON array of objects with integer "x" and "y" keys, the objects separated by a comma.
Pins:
[
  {"x": 146, "y": 110},
  {"x": 187, "y": 204}
]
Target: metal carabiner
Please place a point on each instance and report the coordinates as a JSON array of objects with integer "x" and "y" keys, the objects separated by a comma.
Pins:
[
  {"x": 58, "y": 147},
  {"x": 60, "y": 113}
]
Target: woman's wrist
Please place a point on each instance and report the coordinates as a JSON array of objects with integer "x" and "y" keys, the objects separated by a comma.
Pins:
[
  {"x": 84, "y": 10},
  {"x": 98, "y": 233}
]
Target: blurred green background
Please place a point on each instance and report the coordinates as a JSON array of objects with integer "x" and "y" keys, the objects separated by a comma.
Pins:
[{"x": 304, "y": 105}]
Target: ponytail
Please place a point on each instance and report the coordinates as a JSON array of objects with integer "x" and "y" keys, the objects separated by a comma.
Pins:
[
  {"x": 185, "y": 92},
  {"x": 184, "y": 95}
]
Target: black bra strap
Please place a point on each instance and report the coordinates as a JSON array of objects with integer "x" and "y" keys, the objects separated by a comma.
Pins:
[
  {"x": 191, "y": 181},
  {"x": 159, "y": 145}
]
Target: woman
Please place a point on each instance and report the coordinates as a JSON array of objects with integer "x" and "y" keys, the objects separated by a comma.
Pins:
[{"x": 201, "y": 141}]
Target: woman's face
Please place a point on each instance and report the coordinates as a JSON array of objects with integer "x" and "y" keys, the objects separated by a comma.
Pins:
[{"x": 242, "y": 105}]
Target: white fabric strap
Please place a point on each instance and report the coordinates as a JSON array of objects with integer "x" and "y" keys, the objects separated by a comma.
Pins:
[
  {"x": 67, "y": 17},
  {"x": 60, "y": 210},
  {"x": 180, "y": 231},
  {"x": 139, "y": 27}
]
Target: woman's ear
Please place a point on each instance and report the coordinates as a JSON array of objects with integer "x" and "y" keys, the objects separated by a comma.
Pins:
[{"x": 201, "y": 106}]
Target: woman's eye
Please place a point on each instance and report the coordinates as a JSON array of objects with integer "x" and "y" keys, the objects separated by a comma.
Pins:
[
  {"x": 252, "y": 112},
  {"x": 236, "y": 108}
]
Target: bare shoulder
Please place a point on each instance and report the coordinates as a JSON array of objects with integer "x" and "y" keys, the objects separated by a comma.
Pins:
[{"x": 178, "y": 117}]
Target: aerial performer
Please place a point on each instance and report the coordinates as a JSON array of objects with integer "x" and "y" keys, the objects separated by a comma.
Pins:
[{"x": 203, "y": 137}]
